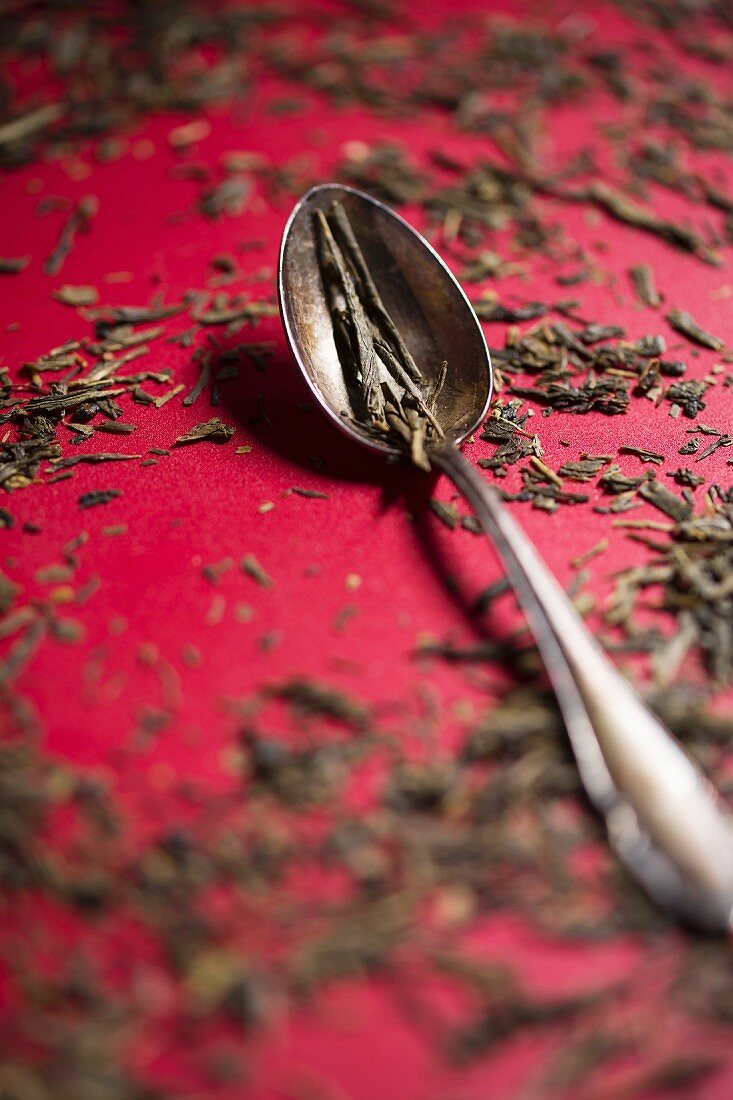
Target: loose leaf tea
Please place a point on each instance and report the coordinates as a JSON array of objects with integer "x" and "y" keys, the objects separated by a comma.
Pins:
[
  {"x": 79, "y": 221},
  {"x": 77, "y": 295},
  {"x": 214, "y": 430},
  {"x": 392, "y": 399},
  {"x": 253, "y": 569},
  {"x": 11, "y": 265},
  {"x": 98, "y": 496},
  {"x": 683, "y": 322},
  {"x": 293, "y": 768},
  {"x": 642, "y": 277}
]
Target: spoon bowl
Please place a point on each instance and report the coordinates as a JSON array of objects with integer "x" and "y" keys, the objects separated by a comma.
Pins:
[{"x": 421, "y": 294}]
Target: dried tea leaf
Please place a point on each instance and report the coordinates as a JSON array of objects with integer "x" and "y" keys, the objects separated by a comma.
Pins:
[
  {"x": 666, "y": 501},
  {"x": 689, "y": 395},
  {"x": 586, "y": 469},
  {"x": 13, "y": 265},
  {"x": 642, "y": 278},
  {"x": 98, "y": 496},
  {"x": 213, "y": 430},
  {"x": 309, "y": 494},
  {"x": 646, "y": 456},
  {"x": 76, "y": 295},
  {"x": 446, "y": 513},
  {"x": 251, "y": 566},
  {"x": 685, "y": 323},
  {"x": 685, "y": 476}
]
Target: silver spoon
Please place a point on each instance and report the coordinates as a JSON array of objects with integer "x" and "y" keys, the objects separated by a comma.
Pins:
[{"x": 663, "y": 817}]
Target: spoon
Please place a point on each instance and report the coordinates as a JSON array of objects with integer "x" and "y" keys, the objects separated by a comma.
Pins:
[{"x": 663, "y": 817}]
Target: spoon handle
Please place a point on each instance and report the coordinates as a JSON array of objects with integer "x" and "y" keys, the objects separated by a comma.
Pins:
[{"x": 664, "y": 818}]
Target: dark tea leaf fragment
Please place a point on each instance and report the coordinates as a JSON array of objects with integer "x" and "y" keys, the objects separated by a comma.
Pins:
[
  {"x": 685, "y": 323},
  {"x": 666, "y": 501},
  {"x": 98, "y": 496},
  {"x": 689, "y": 395},
  {"x": 251, "y": 566},
  {"x": 488, "y": 310},
  {"x": 213, "y": 430},
  {"x": 391, "y": 399},
  {"x": 684, "y": 476},
  {"x": 78, "y": 221},
  {"x": 642, "y": 278},
  {"x": 446, "y": 513},
  {"x": 586, "y": 469},
  {"x": 309, "y": 494},
  {"x": 13, "y": 265},
  {"x": 646, "y": 456}
]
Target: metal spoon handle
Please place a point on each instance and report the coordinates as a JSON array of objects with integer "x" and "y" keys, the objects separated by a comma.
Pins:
[{"x": 663, "y": 817}]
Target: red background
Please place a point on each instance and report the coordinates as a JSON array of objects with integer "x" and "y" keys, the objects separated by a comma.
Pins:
[{"x": 200, "y": 505}]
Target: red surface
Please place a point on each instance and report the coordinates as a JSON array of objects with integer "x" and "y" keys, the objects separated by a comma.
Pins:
[{"x": 200, "y": 505}]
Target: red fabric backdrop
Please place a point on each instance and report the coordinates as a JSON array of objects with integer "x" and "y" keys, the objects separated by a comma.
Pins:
[{"x": 202, "y": 504}]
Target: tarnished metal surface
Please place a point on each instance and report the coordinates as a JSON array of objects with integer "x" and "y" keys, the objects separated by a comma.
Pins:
[{"x": 420, "y": 293}]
